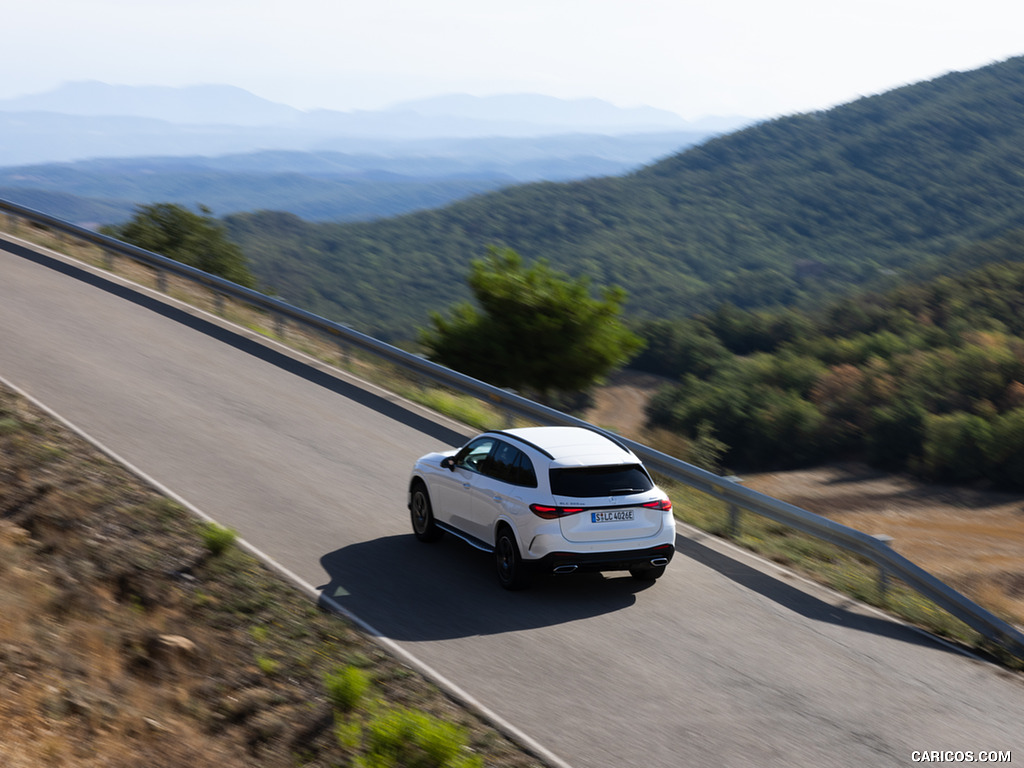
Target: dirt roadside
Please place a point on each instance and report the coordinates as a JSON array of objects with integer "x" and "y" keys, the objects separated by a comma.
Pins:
[
  {"x": 126, "y": 640},
  {"x": 971, "y": 539}
]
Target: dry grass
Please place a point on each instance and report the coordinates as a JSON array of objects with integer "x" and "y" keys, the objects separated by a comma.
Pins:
[{"x": 972, "y": 539}]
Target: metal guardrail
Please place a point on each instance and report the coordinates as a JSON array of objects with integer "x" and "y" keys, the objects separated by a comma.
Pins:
[{"x": 889, "y": 562}]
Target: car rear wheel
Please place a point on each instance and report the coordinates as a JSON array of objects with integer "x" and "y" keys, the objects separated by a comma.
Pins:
[
  {"x": 647, "y": 572},
  {"x": 512, "y": 572},
  {"x": 422, "y": 514}
]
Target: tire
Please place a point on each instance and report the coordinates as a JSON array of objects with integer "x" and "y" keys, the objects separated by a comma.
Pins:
[
  {"x": 647, "y": 572},
  {"x": 513, "y": 573},
  {"x": 422, "y": 515}
]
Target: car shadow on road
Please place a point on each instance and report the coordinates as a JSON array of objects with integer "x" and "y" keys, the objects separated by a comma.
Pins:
[
  {"x": 391, "y": 407},
  {"x": 409, "y": 591},
  {"x": 851, "y": 615}
]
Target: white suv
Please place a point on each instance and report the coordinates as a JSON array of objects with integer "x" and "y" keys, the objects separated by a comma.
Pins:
[{"x": 546, "y": 500}]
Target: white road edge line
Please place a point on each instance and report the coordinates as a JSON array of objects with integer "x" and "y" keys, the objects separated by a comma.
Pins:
[{"x": 453, "y": 690}]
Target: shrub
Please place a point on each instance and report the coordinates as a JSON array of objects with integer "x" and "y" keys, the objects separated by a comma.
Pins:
[
  {"x": 405, "y": 738},
  {"x": 1005, "y": 449},
  {"x": 267, "y": 665},
  {"x": 895, "y": 434},
  {"x": 706, "y": 450},
  {"x": 346, "y": 687},
  {"x": 9, "y": 425},
  {"x": 216, "y": 538}
]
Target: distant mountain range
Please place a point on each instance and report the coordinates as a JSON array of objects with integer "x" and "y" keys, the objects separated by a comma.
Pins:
[
  {"x": 197, "y": 105},
  {"x": 89, "y": 120},
  {"x": 92, "y": 152}
]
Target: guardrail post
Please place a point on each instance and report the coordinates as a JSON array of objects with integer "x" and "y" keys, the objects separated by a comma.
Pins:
[
  {"x": 108, "y": 259},
  {"x": 343, "y": 351},
  {"x": 279, "y": 326},
  {"x": 218, "y": 303},
  {"x": 883, "y": 575},
  {"x": 883, "y": 585},
  {"x": 734, "y": 510},
  {"x": 161, "y": 281},
  {"x": 734, "y": 521}
]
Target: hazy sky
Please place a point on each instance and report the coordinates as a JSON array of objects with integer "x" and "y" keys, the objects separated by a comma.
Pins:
[{"x": 756, "y": 58}]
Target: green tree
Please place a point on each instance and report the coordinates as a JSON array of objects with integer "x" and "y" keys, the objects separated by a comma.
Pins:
[
  {"x": 677, "y": 347},
  {"x": 195, "y": 239},
  {"x": 536, "y": 329},
  {"x": 1005, "y": 449},
  {"x": 955, "y": 446},
  {"x": 895, "y": 434}
]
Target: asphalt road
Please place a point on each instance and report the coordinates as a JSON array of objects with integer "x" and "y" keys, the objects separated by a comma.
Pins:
[{"x": 727, "y": 661}]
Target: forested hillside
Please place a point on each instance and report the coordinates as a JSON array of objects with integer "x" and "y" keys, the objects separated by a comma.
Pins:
[
  {"x": 782, "y": 213},
  {"x": 927, "y": 378}
]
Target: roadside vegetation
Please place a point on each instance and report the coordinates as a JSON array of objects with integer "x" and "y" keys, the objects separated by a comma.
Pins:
[{"x": 133, "y": 634}]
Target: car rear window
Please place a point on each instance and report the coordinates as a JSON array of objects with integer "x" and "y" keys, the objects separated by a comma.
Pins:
[{"x": 617, "y": 480}]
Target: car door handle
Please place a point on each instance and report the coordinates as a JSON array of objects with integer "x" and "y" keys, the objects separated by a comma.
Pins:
[
  {"x": 496, "y": 498},
  {"x": 465, "y": 485}
]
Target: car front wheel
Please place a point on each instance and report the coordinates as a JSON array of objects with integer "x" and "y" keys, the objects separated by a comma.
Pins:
[
  {"x": 512, "y": 572},
  {"x": 422, "y": 514}
]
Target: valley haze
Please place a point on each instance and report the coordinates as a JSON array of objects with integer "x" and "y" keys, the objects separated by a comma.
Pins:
[{"x": 223, "y": 147}]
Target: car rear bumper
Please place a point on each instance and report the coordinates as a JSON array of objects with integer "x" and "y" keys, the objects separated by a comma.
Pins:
[{"x": 568, "y": 562}]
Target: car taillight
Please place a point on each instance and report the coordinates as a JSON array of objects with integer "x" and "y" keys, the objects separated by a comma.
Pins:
[
  {"x": 552, "y": 513},
  {"x": 663, "y": 504}
]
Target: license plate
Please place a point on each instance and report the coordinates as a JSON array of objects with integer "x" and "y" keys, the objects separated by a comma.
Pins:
[{"x": 612, "y": 516}]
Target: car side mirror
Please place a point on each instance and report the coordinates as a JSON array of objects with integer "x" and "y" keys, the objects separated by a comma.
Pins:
[{"x": 448, "y": 462}]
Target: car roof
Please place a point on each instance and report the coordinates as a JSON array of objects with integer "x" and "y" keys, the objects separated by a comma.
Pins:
[{"x": 573, "y": 446}]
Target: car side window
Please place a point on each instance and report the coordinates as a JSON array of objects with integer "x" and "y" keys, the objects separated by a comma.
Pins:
[
  {"x": 474, "y": 455},
  {"x": 508, "y": 464},
  {"x": 523, "y": 472}
]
